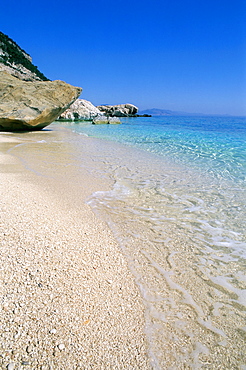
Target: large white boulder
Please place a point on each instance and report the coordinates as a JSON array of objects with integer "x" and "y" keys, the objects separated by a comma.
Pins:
[{"x": 81, "y": 110}]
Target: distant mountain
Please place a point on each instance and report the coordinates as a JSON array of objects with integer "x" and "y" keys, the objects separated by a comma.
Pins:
[
  {"x": 166, "y": 112},
  {"x": 17, "y": 62}
]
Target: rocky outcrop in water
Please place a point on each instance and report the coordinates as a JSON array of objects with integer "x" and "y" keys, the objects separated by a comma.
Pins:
[
  {"x": 17, "y": 62},
  {"x": 120, "y": 110},
  {"x": 26, "y": 106},
  {"x": 81, "y": 110},
  {"x": 106, "y": 120}
]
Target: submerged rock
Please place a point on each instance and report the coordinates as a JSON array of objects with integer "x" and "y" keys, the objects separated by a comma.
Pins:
[
  {"x": 27, "y": 106},
  {"x": 100, "y": 120},
  {"x": 121, "y": 110},
  {"x": 113, "y": 120},
  {"x": 106, "y": 120},
  {"x": 81, "y": 109}
]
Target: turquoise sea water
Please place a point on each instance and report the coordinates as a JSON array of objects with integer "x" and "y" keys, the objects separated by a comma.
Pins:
[
  {"x": 177, "y": 208},
  {"x": 215, "y": 144}
]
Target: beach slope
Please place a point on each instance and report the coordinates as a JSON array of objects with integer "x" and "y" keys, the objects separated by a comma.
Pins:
[{"x": 68, "y": 300}]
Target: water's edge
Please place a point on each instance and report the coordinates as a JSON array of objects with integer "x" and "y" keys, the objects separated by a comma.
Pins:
[
  {"x": 181, "y": 230},
  {"x": 188, "y": 261}
]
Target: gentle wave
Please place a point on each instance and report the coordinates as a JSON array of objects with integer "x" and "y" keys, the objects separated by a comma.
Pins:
[
  {"x": 166, "y": 234},
  {"x": 177, "y": 208}
]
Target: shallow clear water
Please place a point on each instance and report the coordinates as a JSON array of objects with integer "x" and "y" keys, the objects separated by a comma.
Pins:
[
  {"x": 177, "y": 208},
  {"x": 215, "y": 144}
]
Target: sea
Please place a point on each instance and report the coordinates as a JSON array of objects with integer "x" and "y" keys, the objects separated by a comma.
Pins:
[{"x": 176, "y": 206}]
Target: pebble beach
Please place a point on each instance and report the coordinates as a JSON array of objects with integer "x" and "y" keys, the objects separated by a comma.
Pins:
[{"x": 68, "y": 299}]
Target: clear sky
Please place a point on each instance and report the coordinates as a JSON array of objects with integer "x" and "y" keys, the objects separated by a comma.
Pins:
[{"x": 170, "y": 54}]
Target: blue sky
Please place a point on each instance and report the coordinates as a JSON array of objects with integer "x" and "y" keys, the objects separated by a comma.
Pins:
[{"x": 179, "y": 55}]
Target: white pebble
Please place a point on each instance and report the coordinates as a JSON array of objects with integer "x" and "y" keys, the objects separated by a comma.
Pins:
[
  {"x": 61, "y": 346},
  {"x": 52, "y": 331},
  {"x": 11, "y": 366},
  {"x": 17, "y": 335},
  {"x": 29, "y": 349}
]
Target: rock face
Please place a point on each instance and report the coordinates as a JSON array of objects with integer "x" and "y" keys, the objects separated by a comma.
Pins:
[
  {"x": 106, "y": 120},
  {"x": 121, "y": 110},
  {"x": 81, "y": 110},
  {"x": 26, "y": 106},
  {"x": 17, "y": 62}
]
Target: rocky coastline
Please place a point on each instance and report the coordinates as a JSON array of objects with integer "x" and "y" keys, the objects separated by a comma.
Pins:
[
  {"x": 84, "y": 110},
  {"x": 30, "y": 101}
]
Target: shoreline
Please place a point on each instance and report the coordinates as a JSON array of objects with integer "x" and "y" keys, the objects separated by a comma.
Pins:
[
  {"x": 68, "y": 296},
  {"x": 190, "y": 283}
]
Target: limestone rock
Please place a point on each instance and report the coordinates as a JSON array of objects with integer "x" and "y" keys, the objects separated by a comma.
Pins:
[
  {"x": 15, "y": 61},
  {"x": 121, "y": 110},
  {"x": 100, "y": 120},
  {"x": 81, "y": 110},
  {"x": 26, "y": 106},
  {"x": 106, "y": 120},
  {"x": 114, "y": 120},
  {"x": 19, "y": 71}
]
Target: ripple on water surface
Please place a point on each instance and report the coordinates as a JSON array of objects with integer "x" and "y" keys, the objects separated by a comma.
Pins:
[{"x": 181, "y": 226}]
